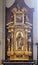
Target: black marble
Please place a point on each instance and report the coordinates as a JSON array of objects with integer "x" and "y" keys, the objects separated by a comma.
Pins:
[{"x": 17, "y": 62}]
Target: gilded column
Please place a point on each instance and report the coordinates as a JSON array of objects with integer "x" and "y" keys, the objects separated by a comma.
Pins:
[
  {"x": 8, "y": 39},
  {"x": 12, "y": 42},
  {"x": 26, "y": 39}
]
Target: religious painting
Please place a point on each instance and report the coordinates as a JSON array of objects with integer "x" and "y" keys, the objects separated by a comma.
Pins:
[{"x": 18, "y": 18}]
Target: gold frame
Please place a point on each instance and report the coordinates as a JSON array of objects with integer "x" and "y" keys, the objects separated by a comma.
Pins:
[
  {"x": 15, "y": 22},
  {"x": 21, "y": 30},
  {"x": 14, "y": 28},
  {"x": 15, "y": 11}
]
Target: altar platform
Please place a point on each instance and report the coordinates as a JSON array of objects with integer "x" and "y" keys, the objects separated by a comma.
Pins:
[{"x": 18, "y": 62}]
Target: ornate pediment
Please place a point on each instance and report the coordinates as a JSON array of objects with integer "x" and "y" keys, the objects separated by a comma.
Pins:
[{"x": 23, "y": 10}]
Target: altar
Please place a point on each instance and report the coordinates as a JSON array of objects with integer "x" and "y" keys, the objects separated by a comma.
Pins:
[{"x": 19, "y": 34}]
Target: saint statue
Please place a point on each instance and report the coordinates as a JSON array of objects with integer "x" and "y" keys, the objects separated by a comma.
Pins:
[{"x": 19, "y": 41}]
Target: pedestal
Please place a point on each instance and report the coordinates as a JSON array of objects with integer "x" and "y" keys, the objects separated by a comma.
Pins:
[{"x": 17, "y": 62}]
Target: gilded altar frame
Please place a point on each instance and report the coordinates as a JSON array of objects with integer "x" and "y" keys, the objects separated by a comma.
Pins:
[{"x": 14, "y": 28}]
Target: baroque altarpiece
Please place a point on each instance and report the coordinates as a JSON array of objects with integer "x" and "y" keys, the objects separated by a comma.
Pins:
[{"x": 19, "y": 32}]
